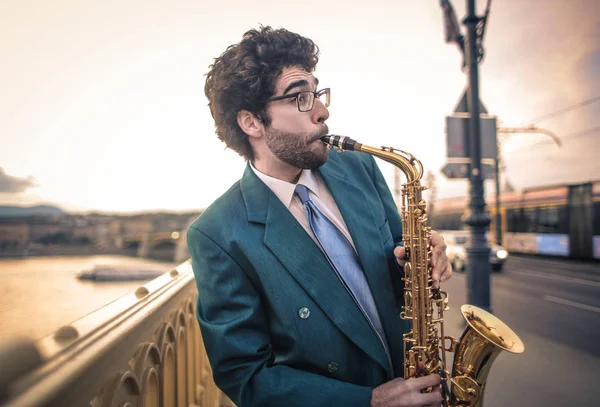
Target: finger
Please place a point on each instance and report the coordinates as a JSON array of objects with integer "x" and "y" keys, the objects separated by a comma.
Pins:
[
  {"x": 447, "y": 273},
  {"x": 428, "y": 399},
  {"x": 435, "y": 263},
  {"x": 434, "y": 257},
  {"x": 441, "y": 264},
  {"x": 399, "y": 252},
  {"x": 424, "y": 382},
  {"x": 438, "y": 250},
  {"x": 436, "y": 403},
  {"x": 438, "y": 247},
  {"x": 437, "y": 240}
]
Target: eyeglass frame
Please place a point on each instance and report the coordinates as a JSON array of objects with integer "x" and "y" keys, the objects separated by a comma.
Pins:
[{"x": 316, "y": 94}]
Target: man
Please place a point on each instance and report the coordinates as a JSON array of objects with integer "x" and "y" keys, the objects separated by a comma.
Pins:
[{"x": 286, "y": 319}]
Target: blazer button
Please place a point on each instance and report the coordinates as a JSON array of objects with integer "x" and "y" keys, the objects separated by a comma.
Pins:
[
  {"x": 332, "y": 366},
  {"x": 304, "y": 313}
]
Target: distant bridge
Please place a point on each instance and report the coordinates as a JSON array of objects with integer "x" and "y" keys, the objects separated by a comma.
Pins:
[{"x": 169, "y": 246}]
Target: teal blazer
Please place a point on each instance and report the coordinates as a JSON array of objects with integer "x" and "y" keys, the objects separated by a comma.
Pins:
[{"x": 278, "y": 326}]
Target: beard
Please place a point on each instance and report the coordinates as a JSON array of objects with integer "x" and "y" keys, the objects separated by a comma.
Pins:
[{"x": 300, "y": 150}]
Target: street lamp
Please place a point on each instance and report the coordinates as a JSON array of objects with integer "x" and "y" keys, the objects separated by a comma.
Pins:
[{"x": 478, "y": 250}]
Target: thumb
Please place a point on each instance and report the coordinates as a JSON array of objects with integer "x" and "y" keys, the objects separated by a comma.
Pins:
[{"x": 399, "y": 253}]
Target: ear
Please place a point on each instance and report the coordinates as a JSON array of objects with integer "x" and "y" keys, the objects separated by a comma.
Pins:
[{"x": 250, "y": 124}]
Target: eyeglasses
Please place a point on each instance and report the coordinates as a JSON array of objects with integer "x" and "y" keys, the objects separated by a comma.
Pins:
[{"x": 306, "y": 99}]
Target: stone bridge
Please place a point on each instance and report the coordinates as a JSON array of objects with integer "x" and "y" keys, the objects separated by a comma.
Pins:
[{"x": 170, "y": 246}]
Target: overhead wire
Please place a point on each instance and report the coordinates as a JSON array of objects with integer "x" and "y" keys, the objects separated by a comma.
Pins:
[
  {"x": 568, "y": 109},
  {"x": 564, "y": 110}
]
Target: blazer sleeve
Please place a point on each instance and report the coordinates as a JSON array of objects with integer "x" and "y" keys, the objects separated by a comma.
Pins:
[{"x": 235, "y": 332}]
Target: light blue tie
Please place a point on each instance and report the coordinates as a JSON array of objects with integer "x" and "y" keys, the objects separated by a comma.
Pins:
[{"x": 344, "y": 260}]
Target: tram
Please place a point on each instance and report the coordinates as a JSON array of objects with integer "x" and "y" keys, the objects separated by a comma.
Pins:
[{"x": 559, "y": 220}]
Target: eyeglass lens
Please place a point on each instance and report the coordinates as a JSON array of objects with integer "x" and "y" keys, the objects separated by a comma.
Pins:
[{"x": 306, "y": 100}]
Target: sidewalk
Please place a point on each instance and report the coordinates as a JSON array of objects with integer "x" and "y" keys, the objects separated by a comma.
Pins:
[
  {"x": 546, "y": 264},
  {"x": 547, "y": 374}
]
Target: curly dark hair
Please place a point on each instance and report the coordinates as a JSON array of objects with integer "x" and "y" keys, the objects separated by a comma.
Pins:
[{"x": 244, "y": 77}]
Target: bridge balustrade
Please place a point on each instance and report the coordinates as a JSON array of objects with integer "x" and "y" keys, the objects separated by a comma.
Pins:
[{"x": 144, "y": 349}]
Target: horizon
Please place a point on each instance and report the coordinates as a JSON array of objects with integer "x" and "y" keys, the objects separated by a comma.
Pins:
[
  {"x": 104, "y": 109},
  {"x": 105, "y": 213}
]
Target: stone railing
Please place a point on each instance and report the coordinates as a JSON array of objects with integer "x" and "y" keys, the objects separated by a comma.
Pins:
[{"x": 144, "y": 349}]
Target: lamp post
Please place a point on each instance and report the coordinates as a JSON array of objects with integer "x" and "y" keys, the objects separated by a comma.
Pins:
[{"x": 478, "y": 251}]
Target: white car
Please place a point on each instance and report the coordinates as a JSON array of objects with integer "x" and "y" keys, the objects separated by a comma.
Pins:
[{"x": 457, "y": 253}]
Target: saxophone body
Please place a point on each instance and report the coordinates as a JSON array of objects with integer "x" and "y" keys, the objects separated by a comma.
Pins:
[{"x": 425, "y": 345}]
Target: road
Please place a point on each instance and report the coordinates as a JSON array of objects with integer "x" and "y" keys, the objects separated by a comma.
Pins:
[{"x": 554, "y": 307}]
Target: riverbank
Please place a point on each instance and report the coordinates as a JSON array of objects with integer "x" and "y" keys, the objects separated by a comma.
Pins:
[
  {"x": 65, "y": 250},
  {"x": 42, "y": 294}
]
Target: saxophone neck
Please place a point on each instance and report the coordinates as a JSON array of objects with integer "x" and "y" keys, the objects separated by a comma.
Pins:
[{"x": 412, "y": 167}]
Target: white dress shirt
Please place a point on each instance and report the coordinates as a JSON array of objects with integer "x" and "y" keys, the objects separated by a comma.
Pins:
[{"x": 318, "y": 193}]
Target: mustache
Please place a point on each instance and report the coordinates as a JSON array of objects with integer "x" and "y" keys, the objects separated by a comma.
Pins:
[{"x": 323, "y": 132}]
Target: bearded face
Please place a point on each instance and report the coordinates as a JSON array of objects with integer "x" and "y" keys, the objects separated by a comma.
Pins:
[{"x": 300, "y": 150}]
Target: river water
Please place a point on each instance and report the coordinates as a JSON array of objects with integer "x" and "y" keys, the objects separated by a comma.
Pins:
[{"x": 40, "y": 294}]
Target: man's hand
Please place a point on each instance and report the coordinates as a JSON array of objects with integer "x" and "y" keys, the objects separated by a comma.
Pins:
[
  {"x": 407, "y": 393},
  {"x": 442, "y": 269}
]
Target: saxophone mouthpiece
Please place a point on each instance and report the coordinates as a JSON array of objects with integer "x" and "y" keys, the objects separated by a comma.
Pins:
[{"x": 341, "y": 142}]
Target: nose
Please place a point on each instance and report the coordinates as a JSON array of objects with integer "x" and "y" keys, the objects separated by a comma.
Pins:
[{"x": 319, "y": 112}]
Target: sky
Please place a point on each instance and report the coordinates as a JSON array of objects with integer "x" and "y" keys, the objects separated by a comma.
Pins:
[{"x": 102, "y": 105}]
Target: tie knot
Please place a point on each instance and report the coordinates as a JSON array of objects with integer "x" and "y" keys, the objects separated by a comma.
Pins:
[{"x": 302, "y": 193}]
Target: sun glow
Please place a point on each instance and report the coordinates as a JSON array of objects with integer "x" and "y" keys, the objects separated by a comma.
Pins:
[{"x": 104, "y": 105}]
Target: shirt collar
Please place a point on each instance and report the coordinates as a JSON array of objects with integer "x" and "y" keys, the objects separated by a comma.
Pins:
[{"x": 285, "y": 190}]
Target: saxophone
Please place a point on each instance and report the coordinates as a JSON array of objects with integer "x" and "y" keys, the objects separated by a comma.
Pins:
[{"x": 425, "y": 344}]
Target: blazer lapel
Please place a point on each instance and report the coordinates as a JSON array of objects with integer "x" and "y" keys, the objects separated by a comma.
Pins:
[
  {"x": 303, "y": 259},
  {"x": 360, "y": 219}
]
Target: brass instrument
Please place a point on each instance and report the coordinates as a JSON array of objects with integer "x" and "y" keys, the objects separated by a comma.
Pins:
[{"x": 424, "y": 346}]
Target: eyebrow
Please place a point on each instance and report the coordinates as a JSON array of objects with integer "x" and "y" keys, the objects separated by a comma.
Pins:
[{"x": 301, "y": 82}]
